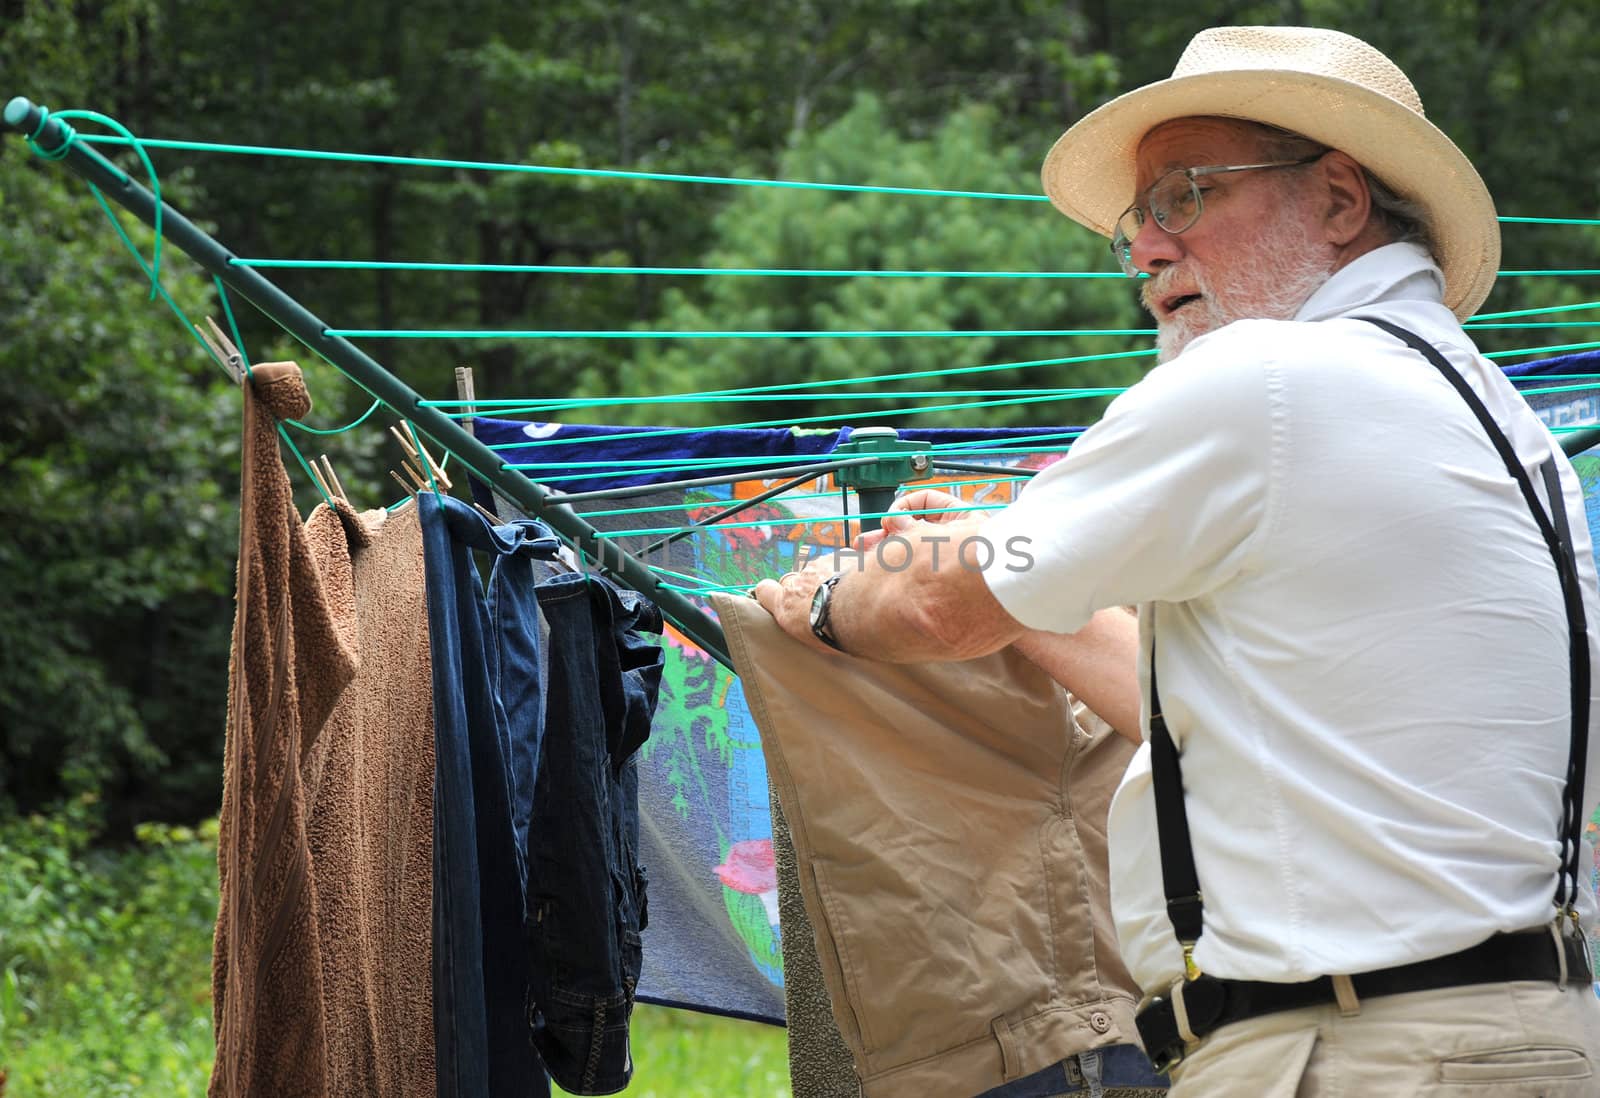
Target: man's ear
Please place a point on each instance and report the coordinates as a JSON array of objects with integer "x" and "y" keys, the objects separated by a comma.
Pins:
[{"x": 1349, "y": 200}]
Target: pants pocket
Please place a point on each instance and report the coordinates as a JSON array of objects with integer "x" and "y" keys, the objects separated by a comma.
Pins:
[
  {"x": 838, "y": 975},
  {"x": 1511, "y": 1065}
]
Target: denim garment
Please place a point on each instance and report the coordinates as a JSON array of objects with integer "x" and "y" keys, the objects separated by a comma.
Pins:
[
  {"x": 488, "y": 657},
  {"x": 1118, "y": 1068},
  {"x": 586, "y": 890}
]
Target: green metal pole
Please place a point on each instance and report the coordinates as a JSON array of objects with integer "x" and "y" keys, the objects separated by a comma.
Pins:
[
  {"x": 1579, "y": 441},
  {"x": 24, "y": 117}
]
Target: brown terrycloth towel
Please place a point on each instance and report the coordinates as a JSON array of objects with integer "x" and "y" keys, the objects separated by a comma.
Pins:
[
  {"x": 819, "y": 1063},
  {"x": 293, "y": 653},
  {"x": 369, "y": 783}
]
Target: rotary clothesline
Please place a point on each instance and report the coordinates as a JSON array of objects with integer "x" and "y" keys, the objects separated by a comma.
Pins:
[
  {"x": 43, "y": 130},
  {"x": 707, "y": 830}
]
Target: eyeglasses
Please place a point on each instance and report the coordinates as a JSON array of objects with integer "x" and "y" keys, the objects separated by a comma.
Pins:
[{"x": 1175, "y": 204}]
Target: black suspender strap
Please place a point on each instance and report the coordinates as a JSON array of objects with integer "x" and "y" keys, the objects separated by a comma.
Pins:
[
  {"x": 1558, "y": 539},
  {"x": 1180, "y": 879},
  {"x": 1578, "y": 658}
]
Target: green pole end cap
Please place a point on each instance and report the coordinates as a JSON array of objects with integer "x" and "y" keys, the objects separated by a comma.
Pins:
[{"x": 17, "y": 110}]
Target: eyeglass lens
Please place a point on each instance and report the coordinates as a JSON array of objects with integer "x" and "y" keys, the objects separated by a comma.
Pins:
[{"x": 1174, "y": 202}]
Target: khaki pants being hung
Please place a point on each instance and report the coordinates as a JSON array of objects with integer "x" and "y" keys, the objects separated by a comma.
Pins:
[{"x": 1512, "y": 1040}]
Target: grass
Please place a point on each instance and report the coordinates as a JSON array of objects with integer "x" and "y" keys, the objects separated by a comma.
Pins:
[{"x": 105, "y": 976}]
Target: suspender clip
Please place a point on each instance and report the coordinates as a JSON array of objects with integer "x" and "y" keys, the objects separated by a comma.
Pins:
[{"x": 1191, "y": 971}]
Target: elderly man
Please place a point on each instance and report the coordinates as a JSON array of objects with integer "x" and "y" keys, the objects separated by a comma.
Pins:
[{"x": 1346, "y": 857}]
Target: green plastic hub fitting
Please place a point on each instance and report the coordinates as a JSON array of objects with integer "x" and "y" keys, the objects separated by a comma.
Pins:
[{"x": 895, "y": 465}]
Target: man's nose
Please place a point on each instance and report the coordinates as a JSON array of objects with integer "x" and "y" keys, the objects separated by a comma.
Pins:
[{"x": 1154, "y": 248}]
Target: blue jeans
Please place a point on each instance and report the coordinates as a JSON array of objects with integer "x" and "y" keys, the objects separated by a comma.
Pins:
[
  {"x": 586, "y": 890},
  {"x": 488, "y": 703},
  {"x": 1089, "y": 1073}
]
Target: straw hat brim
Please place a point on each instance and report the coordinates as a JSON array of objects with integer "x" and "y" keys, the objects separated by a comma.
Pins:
[{"x": 1090, "y": 172}]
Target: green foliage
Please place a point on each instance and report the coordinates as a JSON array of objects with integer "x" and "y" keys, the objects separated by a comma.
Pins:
[
  {"x": 117, "y": 443},
  {"x": 105, "y": 973},
  {"x": 849, "y": 231},
  {"x": 679, "y": 1054},
  {"x": 104, "y": 958}
]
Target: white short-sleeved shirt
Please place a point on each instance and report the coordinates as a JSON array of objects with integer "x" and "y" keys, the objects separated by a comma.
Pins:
[{"x": 1363, "y": 651}]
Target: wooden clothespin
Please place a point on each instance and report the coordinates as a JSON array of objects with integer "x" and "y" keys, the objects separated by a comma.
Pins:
[
  {"x": 422, "y": 461},
  {"x": 404, "y": 487},
  {"x": 332, "y": 478},
  {"x": 438, "y": 469},
  {"x": 327, "y": 480},
  {"x": 464, "y": 391},
  {"x": 222, "y": 349},
  {"x": 322, "y": 484}
]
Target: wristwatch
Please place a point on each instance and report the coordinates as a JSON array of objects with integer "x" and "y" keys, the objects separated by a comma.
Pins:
[{"x": 822, "y": 608}]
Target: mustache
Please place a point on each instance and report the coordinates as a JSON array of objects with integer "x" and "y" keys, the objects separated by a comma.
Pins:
[{"x": 1159, "y": 285}]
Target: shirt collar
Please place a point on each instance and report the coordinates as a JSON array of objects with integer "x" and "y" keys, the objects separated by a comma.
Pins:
[{"x": 1394, "y": 272}]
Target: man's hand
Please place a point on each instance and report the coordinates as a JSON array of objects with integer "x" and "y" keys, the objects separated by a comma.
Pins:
[
  {"x": 788, "y": 598},
  {"x": 937, "y": 507}
]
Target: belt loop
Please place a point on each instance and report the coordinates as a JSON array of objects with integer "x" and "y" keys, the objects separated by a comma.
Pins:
[
  {"x": 1345, "y": 992},
  {"x": 1180, "y": 1012},
  {"x": 1561, "y": 953},
  {"x": 1010, "y": 1055},
  {"x": 1090, "y": 1063}
]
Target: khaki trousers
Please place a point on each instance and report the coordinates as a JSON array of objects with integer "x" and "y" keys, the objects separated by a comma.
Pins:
[{"x": 1489, "y": 1041}]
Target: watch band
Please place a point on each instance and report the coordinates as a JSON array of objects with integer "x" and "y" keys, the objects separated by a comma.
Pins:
[{"x": 822, "y": 612}]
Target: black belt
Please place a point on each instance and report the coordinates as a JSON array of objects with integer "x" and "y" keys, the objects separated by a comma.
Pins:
[{"x": 1212, "y": 1003}]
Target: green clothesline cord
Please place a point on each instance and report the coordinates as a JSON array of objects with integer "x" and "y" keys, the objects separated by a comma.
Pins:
[
  {"x": 755, "y": 474},
  {"x": 1533, "y": 312},
  {"x": 579, "y": 269},
  {"x": 153, "y": 269},
  {"x": 1559, "y": 389},
  {"x": 960, "y": 449},
  {"x": 233, "y": 326},
  {"x": 295, "y": 450},
  {"x": 694, "y": 463},
  {"x": 238, "y": 342},
  {"x": 804, "y": 386},
  {"x": 576, "y": 404},
  {"x": 613, "y": 173},
  {"x": 149, "y": 272},
  {"x": 539, "y": 333},
  {"x": 709, "y": 589},
  {"x": 545, "y": 169},
  {"x": 426, "y": 465},
  {"x": 1475, "y": 325},
  {"x": 743, "y": 272},
  {"x": 919, "y": 333},
  {"x": 670, "y": 431},
  {"x": 787, "y": 497},
  {"x": 664, "y": 571},
  {"x": 504, "y": 407},
  {"x": 797, "y": 521},
  {"x": 358, "y": 421},
  {"x": 807, "y": 388},
  {"x": 1544, "y": 350}
]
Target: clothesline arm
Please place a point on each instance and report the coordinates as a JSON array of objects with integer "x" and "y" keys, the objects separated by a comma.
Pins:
[{"x": 26, "y": 118}]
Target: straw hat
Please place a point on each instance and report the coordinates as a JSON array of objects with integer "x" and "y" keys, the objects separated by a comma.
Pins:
[{"x": 1328, "y": 86}]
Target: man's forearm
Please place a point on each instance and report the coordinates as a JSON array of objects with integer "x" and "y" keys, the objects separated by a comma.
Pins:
[
  {"x": 907, "y": 598},
  {"x": 1099, "y": 664}
]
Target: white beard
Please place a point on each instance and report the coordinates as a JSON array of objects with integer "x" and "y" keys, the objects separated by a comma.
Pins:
[{"x": 1272, "y": 282}]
